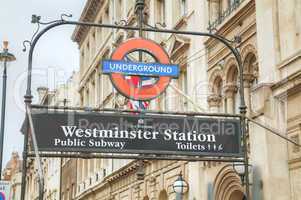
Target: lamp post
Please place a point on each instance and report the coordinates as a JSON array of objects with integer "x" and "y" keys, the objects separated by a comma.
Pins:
[
  {"x": 241, "y": 172},
  {"x": 5, "y": 57},
  {"x": 180, "y": 187}
]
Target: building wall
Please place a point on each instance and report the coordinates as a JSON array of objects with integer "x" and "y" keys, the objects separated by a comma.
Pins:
[
  {"x": 269, "y": 92},
  {"x": 12, "y": 173},
  {"x": 208, "y": 82},
  {"x": 286, "y": 88},
  {"x": 68, "y": 179},
  {"x": 15, "y": 189},
  {"x": 53, "y": 168}
]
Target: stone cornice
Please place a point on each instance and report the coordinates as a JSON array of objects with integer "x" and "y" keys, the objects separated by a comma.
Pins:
[
  {"x": 88, "y": 15},
  {"x": 287, "y": 86},
  {"x": 107, "y": 181},
  {"x": 126, "y": 170},
  {"x": 289, "y": 60}
]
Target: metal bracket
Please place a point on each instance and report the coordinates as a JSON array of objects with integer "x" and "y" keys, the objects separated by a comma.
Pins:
[
  {"x": 36, "y": 19},
  {"x": 275, "y": 132}
]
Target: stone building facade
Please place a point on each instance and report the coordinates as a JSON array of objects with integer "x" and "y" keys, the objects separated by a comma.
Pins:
[
  {"x": 267, "y": 34},
  {"x": 12, "y": 173},
  {"x": 270, "y": 50},
  {"x": 57, "y": 171}
]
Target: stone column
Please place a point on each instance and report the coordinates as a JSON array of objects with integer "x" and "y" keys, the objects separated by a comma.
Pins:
[
  {"x": 213, "y": 9},
  {"x": 91, "y": 93},
  {"x": 85, "y": 170},
  {"x": 152, "y": 188},
  {"x": 84, "y": 96},
  {"x": 214, "y": 102},
  {"x": 90, "y": 167},
  {"x": 137, "y": 189},
  {"x": 96, "y": 165},
  {"x": 79, "y": 171},
  {"x": 96, "y": 92},
  {"x": 248, "y": 78},
  {"x": 230, "y": 90}
]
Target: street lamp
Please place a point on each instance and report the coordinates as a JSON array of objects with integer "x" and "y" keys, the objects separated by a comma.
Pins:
[
  {"x": 180, "y": 187},
  {"x": 5, "y": 57},
  {"x": 240, "y": 171}
]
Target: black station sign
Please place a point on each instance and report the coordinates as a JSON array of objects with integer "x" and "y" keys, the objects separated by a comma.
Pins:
[{"x": 136, "y": 134}]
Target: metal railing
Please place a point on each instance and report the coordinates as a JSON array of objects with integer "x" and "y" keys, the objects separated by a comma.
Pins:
[{"x": 224, "y": 14}]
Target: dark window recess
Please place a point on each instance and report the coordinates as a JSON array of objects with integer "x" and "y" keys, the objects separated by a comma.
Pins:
[{"x": 97, "y": 177}]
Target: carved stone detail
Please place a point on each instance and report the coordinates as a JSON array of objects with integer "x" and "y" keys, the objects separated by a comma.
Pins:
[
  {"x": 214, "y": 100},
  {"x": 230, "y": 90}
]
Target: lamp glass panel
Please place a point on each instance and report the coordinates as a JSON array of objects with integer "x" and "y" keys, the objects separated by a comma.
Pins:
[
  {"x": 240, "y": 169},
  {"x": 180, "y": 186}
]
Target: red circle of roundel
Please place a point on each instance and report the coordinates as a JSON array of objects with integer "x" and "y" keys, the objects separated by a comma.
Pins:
[{"x": 123, "y": 86}]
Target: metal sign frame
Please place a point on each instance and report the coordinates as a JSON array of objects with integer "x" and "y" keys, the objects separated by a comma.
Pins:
[
  {"x": 139, "y": 10},
  {"x": 47, "y": 130}
]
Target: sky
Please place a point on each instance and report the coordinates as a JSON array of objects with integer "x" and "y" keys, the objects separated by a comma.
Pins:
[{"x": 55, "y": 57}]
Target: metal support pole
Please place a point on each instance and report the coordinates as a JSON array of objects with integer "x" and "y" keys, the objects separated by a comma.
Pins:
[
  {"x": 61, "y": 159},
  {"x": 246, "y": 158},
  {"x": 37, "y": 156},
  {"x": 28, "y": 100},
  {"x": 140, "y": 4},
  {"x": 243, "y": 111},
  {"x": 24, "y": 162},
  {"x": 5, "y": 56},
  {"x": 3, "y": 113},
  {"x": 139, "y": 12}
]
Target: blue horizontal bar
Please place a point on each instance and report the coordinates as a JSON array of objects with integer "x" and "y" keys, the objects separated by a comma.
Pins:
[{"x": 139, "y": 68}]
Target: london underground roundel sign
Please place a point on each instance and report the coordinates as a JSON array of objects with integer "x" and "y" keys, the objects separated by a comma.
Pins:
[{"x": 119, "y": 69}]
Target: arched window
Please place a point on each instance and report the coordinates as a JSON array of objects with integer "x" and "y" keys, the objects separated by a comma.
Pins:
[
  {"x": 227, "y": 185},
  {"x": 163, "y": 195},
  {"x": 253, "y": 69},
  {"x": 231, "y": 89},
  {"x": 218, "y": 92},
  {"x": 251, "y": 74},
  {"x": 217, "y": 86}
]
